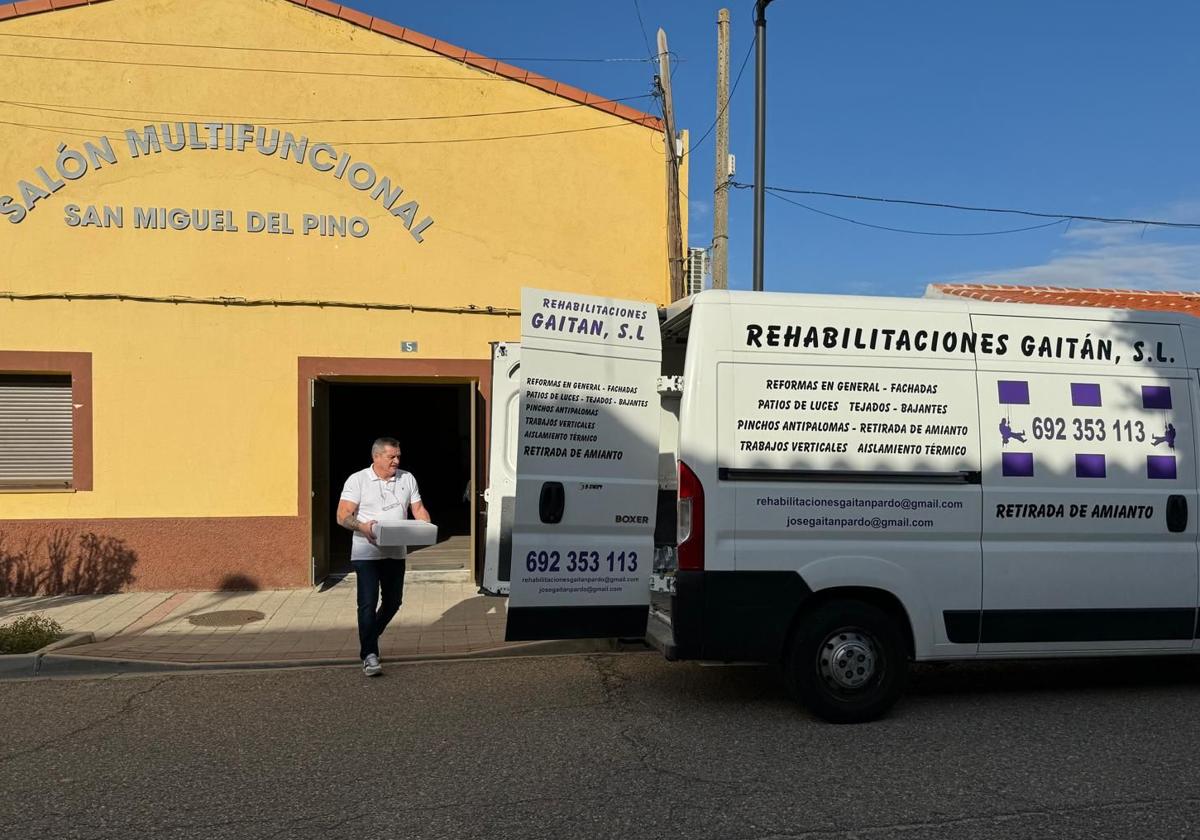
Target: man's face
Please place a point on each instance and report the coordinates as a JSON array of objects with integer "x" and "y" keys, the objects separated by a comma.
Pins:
[{"x": 387, "y": 462}]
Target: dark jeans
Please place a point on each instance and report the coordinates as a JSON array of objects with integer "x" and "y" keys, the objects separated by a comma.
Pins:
[{"x": 377, "y": 577}]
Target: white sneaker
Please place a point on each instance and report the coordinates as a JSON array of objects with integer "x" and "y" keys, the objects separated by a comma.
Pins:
[{"x": 371, "y": 666}]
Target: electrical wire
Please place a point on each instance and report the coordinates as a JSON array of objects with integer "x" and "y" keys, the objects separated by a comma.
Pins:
[
  {"x": 645, "y": 38},
  {"x": 1078, "y": 217},
  {"x": 294, "y": 51},
  {"x": 622, "y": 124},
  {"x": 67, "y": 108},
  {"x": 82, "y": 131},
  {"x": 485, "y": 76},
  {"x": 259, "y": 302},
  {"x": 774, "y": 194}
]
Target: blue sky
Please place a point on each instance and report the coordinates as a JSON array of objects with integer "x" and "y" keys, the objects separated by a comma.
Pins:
[{"x": 1063, "y": 107}]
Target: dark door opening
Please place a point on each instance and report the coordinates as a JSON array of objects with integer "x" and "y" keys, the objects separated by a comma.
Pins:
[{"x": 433, "y": 423}]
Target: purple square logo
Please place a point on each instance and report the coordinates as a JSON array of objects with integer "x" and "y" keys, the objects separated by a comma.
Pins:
[
  {"x": 1156, "y": 396},
  {"x": 1017, "y": 464},
  {"x": 1013, "y": 393},
  {"x": 1085, "y": 393},
  {"x": 1160, "y": 466},
  {"x": 1089, "y": 466}
]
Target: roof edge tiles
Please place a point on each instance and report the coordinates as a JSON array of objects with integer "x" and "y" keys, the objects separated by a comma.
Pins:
[
  {"x": 22, "y": 8},
  {"x": 488, "y": 65},
  {"x": 1139, "y": 299}
]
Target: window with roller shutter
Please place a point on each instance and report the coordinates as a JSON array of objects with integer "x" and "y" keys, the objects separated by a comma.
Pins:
[{"x": 36, "y": 439}]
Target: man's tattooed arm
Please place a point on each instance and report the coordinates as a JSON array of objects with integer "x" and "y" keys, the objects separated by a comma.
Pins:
[{"x": 350, "y": 522}]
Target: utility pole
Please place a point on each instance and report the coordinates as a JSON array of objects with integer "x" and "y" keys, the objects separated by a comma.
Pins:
[
  {"x": 760, "y": 134},
  {"x": 720, "y": 248},
  {"x": 674, "y": 223}
]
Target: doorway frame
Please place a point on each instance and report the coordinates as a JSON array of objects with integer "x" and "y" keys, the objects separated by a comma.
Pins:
[{"x": 390, "y": 371}]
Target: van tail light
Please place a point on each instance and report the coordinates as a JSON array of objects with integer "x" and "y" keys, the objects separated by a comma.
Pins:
[{"x": 691, "y": 521}]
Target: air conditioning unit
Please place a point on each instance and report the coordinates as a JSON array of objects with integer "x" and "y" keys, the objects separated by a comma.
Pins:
[{"x": 697, "y": 271}]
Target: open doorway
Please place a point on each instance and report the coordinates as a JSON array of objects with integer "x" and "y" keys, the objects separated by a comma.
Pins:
[{"x": 434, "y": 424}]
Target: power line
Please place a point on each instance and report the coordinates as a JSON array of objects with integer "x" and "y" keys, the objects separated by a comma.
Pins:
[
  {"x": 645, "y": 38},
  {"x": 728, "y": 99},
  {"x": 260, "y": 302},
  {"x": 622, "y": 124},
  {"x": 1078, "y": 217},
  {"x": 910, "y": 231},
  {"x": 80, "y": 131},
  {"x": 487, "y": 77},
  {"x": 67, "y": 108},
  {"x": 296, "y": 51}
]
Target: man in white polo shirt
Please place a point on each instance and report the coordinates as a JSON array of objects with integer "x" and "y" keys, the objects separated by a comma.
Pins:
[{"x": 381, "y": 493}]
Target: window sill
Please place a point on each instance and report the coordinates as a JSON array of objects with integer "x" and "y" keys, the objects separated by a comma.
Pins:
[{"x": 32, "y": 488}]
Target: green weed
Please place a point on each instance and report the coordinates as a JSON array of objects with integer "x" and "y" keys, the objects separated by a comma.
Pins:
[{"x": 29, "y": 633}]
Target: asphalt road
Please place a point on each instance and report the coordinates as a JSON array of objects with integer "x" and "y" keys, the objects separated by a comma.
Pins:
[{"x": 603, "y": 746}]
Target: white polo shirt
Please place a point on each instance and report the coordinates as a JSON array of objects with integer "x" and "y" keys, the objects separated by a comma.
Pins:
[{"x": 381, "y": 500}]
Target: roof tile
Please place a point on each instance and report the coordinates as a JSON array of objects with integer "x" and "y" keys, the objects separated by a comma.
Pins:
[
  {"x": 408, "y": 36},
  {"x": 325, "y": 7},
  {"x": 511, "y": 72},
  {"x": 450, "y": 51},
  {"x": 32, "y": 7},
  {"x": 571, "y": 92},
  {"x": 419, "y": 39},
  {"x": 481, "y": 61},
  {"x": 356, "y": 17},
  {"x": 383, "y": 27},
  {"x": 601, "y": 103},
  {"x": 1176, "y": 301},
  {"x": 548, "y": 85}
]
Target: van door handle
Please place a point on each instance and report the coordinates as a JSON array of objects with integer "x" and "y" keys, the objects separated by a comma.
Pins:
[
  {"x": 553, "y": 500},
  {"x": 1177, "y": 514}
]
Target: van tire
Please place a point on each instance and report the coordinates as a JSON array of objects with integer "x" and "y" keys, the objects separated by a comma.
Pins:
[{"x": 873, "y": 655}]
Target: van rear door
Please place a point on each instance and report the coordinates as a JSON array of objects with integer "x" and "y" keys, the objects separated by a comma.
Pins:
[
  {"x": 500, "y": 495},
  {"x": 587, "y": 467}
]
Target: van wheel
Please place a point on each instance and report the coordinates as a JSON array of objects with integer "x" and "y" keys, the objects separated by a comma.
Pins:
[{"x": 847, "y": 662}]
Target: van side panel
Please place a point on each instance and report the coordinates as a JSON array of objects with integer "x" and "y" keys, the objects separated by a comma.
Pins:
[
  {"x": 1087, "y": 461},
  {"x": 839, "y": 467},
  {"x": 860, "y": 475},
  {"x": 1041, "y": 500}
]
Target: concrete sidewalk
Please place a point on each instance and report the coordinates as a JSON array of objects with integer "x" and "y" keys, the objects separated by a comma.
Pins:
[{"x": 288, "y": 627}]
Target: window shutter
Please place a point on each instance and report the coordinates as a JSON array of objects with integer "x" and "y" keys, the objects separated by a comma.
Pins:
[{"x": 36, "y": 442}]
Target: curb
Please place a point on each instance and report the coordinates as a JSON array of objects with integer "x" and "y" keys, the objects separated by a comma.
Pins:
[
  {"x": 67, "y": 665},
  {"x": 29, "y": 664}
]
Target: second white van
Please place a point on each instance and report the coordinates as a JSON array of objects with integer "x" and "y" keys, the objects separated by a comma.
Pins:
[{"x": 841, "y": 485}]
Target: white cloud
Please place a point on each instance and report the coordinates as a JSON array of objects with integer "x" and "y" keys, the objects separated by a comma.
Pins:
[
  {"x": 698, "y": 209},
  {"x": 1112, "y": 256},
  {"x": 1109, "y": 263},
  {"x": 1101, "y": 234}
]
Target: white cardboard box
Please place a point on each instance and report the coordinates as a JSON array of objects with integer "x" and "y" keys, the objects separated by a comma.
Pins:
[{"x": 407, "y": 532}]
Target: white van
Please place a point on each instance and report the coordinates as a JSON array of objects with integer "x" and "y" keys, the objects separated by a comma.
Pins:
[{"x": 859, "y": 482}]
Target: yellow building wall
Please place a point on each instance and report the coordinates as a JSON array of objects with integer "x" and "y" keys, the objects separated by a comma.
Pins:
[{"x": 195, "y": 409}]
